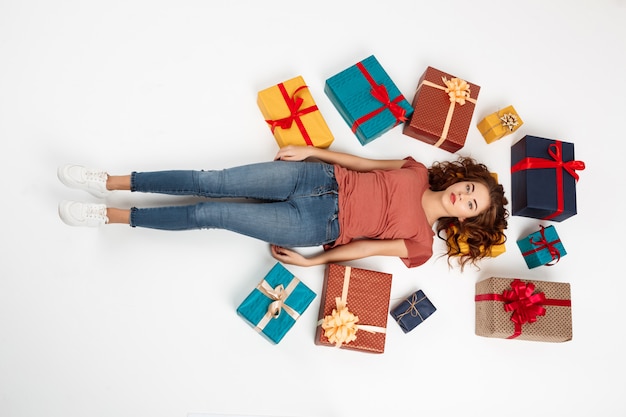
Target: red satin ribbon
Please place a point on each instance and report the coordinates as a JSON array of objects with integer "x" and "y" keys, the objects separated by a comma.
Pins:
[
  {"x": 524, "y": 305},
  {"x": 554, "y": 150},
  {"x": 379, "y": 92},
  {"x": 293, "y": 103},
  {"x": 542, "y": 244}
]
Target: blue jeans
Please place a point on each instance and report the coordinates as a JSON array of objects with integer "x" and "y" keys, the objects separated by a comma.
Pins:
[{"x": 285, "y": 203}]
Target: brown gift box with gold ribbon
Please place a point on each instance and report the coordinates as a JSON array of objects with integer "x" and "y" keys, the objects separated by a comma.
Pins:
[
  {"x": 443, "y": 109},
  {"x": 511, "y": 308},
  {"x": 354, "y": 309}
]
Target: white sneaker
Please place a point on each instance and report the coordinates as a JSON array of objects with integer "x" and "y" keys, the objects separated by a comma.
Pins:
[
  {"x": 90, "y": 180},
  {"x": 75, "y": 213}
]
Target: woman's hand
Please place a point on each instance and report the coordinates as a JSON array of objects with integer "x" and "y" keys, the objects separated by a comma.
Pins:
[
  {"x": 294, "y": 153},
  {"x": 288, "y": 256}
]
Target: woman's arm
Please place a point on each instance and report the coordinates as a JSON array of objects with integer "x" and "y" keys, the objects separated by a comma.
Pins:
[
  {"x": 354, "y": 250},
  {"x": 353, "y": 162}
]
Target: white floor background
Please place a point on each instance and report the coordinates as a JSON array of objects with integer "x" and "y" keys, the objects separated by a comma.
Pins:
[{"x": 121, "y": 322}]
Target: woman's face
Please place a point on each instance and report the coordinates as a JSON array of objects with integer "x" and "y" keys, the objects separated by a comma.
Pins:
[{"x": 466, "y": 199}]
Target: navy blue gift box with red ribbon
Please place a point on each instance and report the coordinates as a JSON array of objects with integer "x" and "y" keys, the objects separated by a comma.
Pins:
[{"x": 543, "y": 178}]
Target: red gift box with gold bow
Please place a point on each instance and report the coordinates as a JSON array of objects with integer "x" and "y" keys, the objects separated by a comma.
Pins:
[
  {"x": 511, "y": 308},
  {"x": 443, "y": 107},
  {"x": 354, "y": 308}
]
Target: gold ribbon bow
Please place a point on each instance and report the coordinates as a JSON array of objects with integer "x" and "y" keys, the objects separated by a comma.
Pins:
[
  {"x": 279, "y": 295},
  {"x": 509, "y": 120},
  {"x": 340, "y": 327},
  {"x": 458, "y": 90}
]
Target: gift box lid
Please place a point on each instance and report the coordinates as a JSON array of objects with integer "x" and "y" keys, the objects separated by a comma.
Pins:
[
  {"x": 356, "y": 92},
  {"x": 254, "y": 308},
  {"x": 543, "y": 178}
]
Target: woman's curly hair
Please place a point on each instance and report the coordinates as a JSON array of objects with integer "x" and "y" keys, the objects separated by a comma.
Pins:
[{"x": 481, "y": 232}]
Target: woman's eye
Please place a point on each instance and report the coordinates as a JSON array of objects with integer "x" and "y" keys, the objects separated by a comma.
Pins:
[
  {"x": 467, "y": 188},
  {"x": 470, "y": 205}
]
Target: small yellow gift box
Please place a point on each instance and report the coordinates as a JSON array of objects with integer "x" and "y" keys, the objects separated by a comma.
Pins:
[
  {"x": 499, "y": 124},
  {"x": 293, "y": 116},
  {"x": 462, "y": 248}
]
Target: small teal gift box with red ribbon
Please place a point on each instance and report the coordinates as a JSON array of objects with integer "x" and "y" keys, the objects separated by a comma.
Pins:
[
  {"x": 368, "y": 99},
  {"x": 543, "y": 178},
  {"x": 273, "y": 307},
  {"x": 510, "y": 308},
  {"x": 543, "y": 247}
]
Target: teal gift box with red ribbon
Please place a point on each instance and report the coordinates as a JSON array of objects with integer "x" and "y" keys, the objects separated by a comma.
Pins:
[
  {"x": 275, "y": 304},
  {"x": 512, "y": 308},
  {"x": 367, "y": 99},
  {"x": 543, "y": 247},
  {"x": 543, "y": 178}
]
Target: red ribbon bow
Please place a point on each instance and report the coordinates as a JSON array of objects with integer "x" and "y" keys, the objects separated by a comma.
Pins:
[
  {"x": 293, "y": 104},
  {"x": 542, "y": 244},
  {"x": 379, "y": 92},
  {"x": 524, "y": 305},
  {"x": 554, "y": 150}
]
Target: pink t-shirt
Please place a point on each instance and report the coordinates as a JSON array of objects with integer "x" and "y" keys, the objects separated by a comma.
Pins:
[{"x": 386, "y": 205}]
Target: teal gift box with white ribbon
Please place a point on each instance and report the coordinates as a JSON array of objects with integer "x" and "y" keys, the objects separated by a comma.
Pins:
[{"x": 275, "y": 304}]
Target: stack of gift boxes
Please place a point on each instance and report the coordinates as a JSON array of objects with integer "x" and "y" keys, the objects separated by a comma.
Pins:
[{"x": 355, "y": 303}]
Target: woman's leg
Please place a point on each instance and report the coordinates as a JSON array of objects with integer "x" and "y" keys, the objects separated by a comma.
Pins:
[
  {"x": 304, "y": 221},
  {"x": 119, "y": 216},
  {"x": 118, "y": 182},
  {"x": 275, "y": 181},
  {"x": 298, "y": 202}
]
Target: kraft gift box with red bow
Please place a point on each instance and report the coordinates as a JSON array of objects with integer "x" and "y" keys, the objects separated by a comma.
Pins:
[
  {"x": 293, "y": 116},
  {"x": 354, "y": 308},
  {"x": 273, "y": 307},
  {"x": 543, "y": 178},
  {"x": 443, "y": 107},
  {"x": 543, "y": 247},
  {"x": 367, "y": 99},
  {"x": 512, "y": 308}
]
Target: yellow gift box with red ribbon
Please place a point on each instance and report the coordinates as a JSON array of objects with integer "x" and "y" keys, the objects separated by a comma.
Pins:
[
  {"x": 499, "y": 124},
  {"x": 293, "y": 116},
  {"x": 511, "y": 308}
]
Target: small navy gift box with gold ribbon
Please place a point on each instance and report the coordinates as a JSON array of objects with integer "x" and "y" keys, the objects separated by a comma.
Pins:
[
  {"x": 543, "y": 247},
  {"x": 412, "y": 311}
]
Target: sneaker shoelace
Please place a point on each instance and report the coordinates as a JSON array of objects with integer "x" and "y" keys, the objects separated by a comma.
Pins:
[
  {"x": 96, "y": 212},
  {"x": 96, "y": 176}
]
